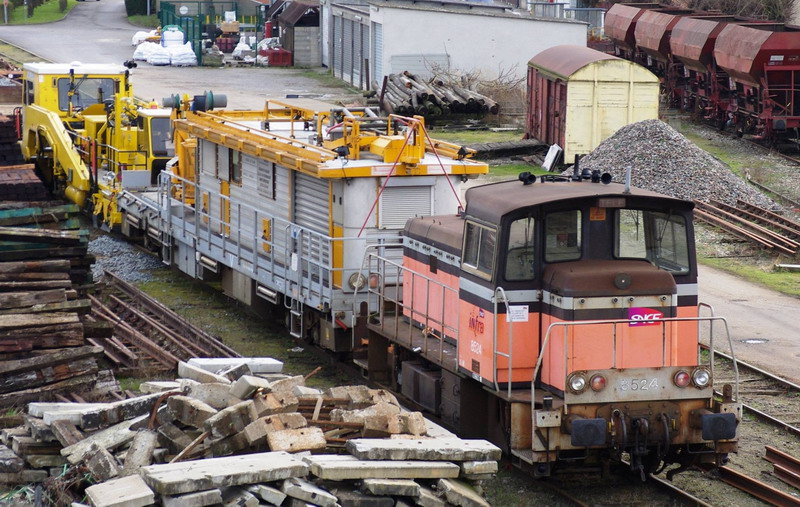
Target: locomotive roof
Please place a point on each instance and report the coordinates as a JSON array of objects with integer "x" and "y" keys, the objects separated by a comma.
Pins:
[{"x": 495, "y": 200}]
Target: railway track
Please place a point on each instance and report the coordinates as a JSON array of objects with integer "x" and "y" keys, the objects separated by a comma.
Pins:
[
  {"x": 147, "y": 336},
  {"x": 751, "y": 223}
]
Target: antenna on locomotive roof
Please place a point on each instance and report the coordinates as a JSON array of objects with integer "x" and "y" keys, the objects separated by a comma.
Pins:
[{"x": 628, "y": 180}]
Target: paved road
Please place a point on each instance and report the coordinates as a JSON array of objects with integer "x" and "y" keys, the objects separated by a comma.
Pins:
[{"x": 97, "y": 32}]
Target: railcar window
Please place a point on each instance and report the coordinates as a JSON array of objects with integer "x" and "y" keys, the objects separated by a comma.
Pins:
[
  {"x": 479, "y": 246},
  {"x": 161, "y": 134},
  {"x": 660, "y": 238},
  {"x": 520, "y": 259},
  {"x": 86, "y": 92},
  {"x": 562, "y": 236}
]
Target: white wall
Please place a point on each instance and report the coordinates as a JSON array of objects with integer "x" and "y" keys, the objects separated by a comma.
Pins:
[{"x": 481, "y": 42}]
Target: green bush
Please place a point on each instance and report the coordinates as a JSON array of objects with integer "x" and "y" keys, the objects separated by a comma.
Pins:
[{"x": 136, "y": 7}]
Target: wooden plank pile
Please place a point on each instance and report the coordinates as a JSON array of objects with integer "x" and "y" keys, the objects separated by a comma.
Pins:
[
  {"x": 18, "y": 181},
  {"x": 408, "y": 94},
  {"x": 44, "y": 278},
  {"x": 241, "y": 438}
]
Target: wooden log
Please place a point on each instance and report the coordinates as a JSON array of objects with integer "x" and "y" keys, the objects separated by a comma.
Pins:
[
  {"x": 9, "y": 300},
  {"x": 32, "y": 276},
  {"x": 50, "y": 359},
  {"x": 20, "y": 397},
  {"x": 43, "y": 337},
  {"x": 21, "y": 321},
  {"x": 47, "y": 375},
  {"x": 34, "y": 285},
  {"x": 79, "y": 306},
  {"x": 41, "y": 235},
  {"x": 45, "y": 266}
]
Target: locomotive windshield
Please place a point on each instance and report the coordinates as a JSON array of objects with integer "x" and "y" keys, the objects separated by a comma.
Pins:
[
  {"x": 85, "y": 92},
  {"x": 562, "y": 236},
  {"x": 658, "y": 237},
  {"x": 520, "y": 259}
]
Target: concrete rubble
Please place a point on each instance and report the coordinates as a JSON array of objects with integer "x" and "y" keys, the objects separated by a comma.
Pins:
[{"x": 224, "y": 434}]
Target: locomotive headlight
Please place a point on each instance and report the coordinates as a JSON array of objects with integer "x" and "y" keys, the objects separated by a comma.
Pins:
[
  {"x": 577, "y": 383},
  {"x": 701, "y": 377},
  {"x": 357, "y": 281},
  {"x": 681, "y": 379},
  {"x": 598, "y": 383}
]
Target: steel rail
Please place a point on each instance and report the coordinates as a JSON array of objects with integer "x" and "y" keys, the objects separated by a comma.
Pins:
[
  {"x": 786, "y": 467},
  {"x": 677, "y": 492},
  {"x": 758, "y": 413},
  {"x": 758, "y": 489},
  {"x": 788, "y": 224},
  {"x": 208, "y": 342},
  {"x": 754, "y": 214}
]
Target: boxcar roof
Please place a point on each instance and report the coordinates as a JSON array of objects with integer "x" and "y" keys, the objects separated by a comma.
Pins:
[
  {"x": 567, "y": 59},
  {"x": 493, "y": 201}
]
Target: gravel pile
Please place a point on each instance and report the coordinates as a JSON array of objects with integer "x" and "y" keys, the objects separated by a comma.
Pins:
[
  {"x": 663, "y": 160},
  {"x": 123, "y": 259}
]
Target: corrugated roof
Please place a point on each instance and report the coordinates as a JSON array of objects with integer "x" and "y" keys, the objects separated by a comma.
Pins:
[
  {"x": 566, "y": 59},
  {"x": 296, "y": 9}
]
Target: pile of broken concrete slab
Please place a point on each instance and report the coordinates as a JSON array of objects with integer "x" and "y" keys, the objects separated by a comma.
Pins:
[{"x": 239, "y": 432}]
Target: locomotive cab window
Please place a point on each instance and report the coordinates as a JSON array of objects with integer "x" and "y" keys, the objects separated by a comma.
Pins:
[
  {"x": 479, "y": 246},
  {"x": 562, "y": 236},
  {"x": 654, "y": 236},
  {"x": 520, "y": 258},
  {"x": 84, "y": 92}
]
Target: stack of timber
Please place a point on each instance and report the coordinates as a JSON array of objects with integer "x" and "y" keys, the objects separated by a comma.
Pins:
[
  {"x": 407, "y": 94},
  {"x": 236, "y": 437},
  {"x": 18, "y": 181},
  {"x": 44, "y": 278}
]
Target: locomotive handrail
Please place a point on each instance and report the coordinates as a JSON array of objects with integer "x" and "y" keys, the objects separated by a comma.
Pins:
[
  {"x": 428, "y": 330},
  {"x": 500, "y": 295},
  {"x": 615, "y": 323},
  {"x": 711, "y": 349}
]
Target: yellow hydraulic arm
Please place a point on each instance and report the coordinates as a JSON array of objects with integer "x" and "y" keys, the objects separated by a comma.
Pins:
[{"x": 67, "y": 167}]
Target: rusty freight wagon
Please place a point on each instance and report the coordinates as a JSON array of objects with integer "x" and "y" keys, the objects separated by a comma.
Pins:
[{"x": 578, "y": 97}]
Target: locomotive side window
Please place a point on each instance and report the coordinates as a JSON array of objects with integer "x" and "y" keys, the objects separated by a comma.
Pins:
[
  {"x": 562, "y": 236},
  {"x": 479, "y": 245},
  {"x": 660, "y": 238},
  {"x": 520, "y": 259}
]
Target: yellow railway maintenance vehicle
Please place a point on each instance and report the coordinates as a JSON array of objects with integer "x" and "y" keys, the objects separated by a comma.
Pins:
[
  {"x": 89, "y": 136},
  {"x": 282, "y": 204}
]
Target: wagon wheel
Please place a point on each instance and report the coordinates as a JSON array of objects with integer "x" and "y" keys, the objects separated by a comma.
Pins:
[{"x": 45, "y": 164}]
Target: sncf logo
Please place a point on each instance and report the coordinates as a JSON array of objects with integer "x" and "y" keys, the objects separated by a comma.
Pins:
[{"x": 644, "y": 316}]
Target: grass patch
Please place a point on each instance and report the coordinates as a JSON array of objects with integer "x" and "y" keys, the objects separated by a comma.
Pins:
[
  {"x": 326, "y": 78},
  {"x": 467, "y": 137},
  {"x": 46, "y": 13},
  {"x": 17, "y": 56},
  {"x": 781, "y": 281},
  {"x": 250, "y": 335},
  {"x": 511, "y": 171},
  {"x": 144, "y": 21}
]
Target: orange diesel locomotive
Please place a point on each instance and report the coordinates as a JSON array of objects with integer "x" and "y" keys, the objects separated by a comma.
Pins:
[{"x": 559, "y": 318}]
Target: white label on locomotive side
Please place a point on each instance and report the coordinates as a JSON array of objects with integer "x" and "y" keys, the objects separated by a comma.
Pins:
[
  {"x": 638, "y": 384},
  {"x": 475, "y": 347},
  {"x": 517, "y": 313}
]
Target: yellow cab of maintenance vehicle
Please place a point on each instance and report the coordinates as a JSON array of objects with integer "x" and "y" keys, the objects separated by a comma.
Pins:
[{"x": 89, "y": 136}]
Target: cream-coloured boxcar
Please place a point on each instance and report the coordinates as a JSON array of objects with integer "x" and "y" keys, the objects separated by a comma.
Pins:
[{"x": 578, "y": 97}]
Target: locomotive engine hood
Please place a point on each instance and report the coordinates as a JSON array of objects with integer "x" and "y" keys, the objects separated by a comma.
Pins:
[{"x": 607, "y": 278}]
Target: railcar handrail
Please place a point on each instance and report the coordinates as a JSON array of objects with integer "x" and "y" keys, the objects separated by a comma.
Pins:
[
  {"x": 615, "y": 323},
  {"x": 500, "y": 295},
  {"x": 429, "y": 324}
]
